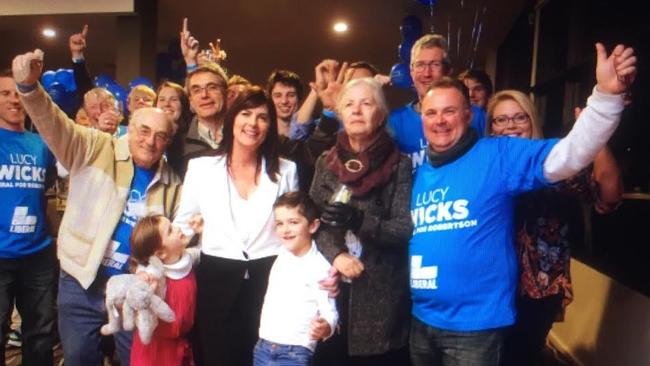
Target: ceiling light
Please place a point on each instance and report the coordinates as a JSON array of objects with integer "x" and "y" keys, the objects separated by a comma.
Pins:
[
  {"x": 340, "y": 27},
  {"x": 49, "y": 33}
]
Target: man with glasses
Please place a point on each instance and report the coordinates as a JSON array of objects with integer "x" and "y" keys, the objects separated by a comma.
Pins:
[
  {"x": 206, "y": 87},
  {"x": 429, "y": 63},
  {"x": 113, "y": 183}
]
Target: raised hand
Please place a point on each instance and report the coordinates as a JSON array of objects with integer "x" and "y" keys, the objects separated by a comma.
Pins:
[
  {"x": 219, "y": 54},
  {"x": 189, "y": 45},
  {"x": 108, "y": 121},
  {"x": 383, "y": 79},
  {"x": 77, "y": 43},
  {"x": 329, "y": 82},
  {"x": 27, "y": 68},
  {"x": 324, "y": 73},
  {"x": 616, "y": 72}
]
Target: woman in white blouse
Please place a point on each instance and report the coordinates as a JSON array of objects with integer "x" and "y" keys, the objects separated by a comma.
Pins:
[{"x": 234, "y": 190}]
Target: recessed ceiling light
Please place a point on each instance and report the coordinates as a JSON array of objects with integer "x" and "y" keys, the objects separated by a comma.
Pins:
[
  {"x": 49, "y": 33},
  {"x": 340, "y": 27}
]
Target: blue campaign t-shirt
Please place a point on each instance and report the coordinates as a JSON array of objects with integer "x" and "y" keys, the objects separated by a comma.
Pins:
[
  {"x": 463, "y": 261},
  {"x": 116, "y": 258},
  {"x": 405, "y": 125},
  {"x": 24, "y": 161}
]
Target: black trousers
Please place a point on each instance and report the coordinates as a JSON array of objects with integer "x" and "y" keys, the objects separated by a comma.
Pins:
[
  {"x": 230, "y": 294},
  {"x": 527, "y": 338},
  {"x": 30, "y": 281}
]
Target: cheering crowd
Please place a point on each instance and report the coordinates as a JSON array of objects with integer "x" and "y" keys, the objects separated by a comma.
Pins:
[{"x": 434, "y": 234}]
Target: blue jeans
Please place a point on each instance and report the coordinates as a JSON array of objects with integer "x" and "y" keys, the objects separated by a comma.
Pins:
[
  {"x": 271, "y": 354},
  {"x": 30, "y": 281},
  {"x": 81, "y": 314},
  {"x": 436, "y": 347}
]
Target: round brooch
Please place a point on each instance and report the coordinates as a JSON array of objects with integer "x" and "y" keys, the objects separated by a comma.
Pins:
[{"x": 354, "y": 165}]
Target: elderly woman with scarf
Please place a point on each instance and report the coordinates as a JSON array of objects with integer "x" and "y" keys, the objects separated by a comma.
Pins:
[{"x": 363, "y": 185}]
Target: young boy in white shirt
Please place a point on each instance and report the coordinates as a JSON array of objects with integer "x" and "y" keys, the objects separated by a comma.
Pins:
[{"x": 296, "y": 312}]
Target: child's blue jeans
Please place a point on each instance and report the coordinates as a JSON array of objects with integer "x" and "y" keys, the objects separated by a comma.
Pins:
[{"x": 272, "y": 354}]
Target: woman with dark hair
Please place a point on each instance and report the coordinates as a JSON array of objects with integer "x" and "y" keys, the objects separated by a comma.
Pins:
[
  {"x": 234, "y": 191},
  {"x": 171, "y": 98},
  {"x": 363, "y": 185}
]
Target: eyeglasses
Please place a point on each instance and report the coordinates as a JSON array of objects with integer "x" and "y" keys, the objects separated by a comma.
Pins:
[
  {"x": 518, "y": 119},
  {"x": 211, "y": 88},
  {"x": 420, "y": 66},
  {"x": 146, "y": 132}
]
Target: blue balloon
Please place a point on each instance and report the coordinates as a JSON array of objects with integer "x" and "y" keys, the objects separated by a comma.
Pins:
[
  {"x": 411, "y": 28},
  {"x": 400, "y": 76},
  {"x": 47, "y": 78},
  {"x": 66, "y": 78},
  {"x": 427, "y": 2},
  {"x": 103, "y": 81},
  {"x": 405, "y": 51},
  {"x": 56, "y": 90},
  {"x": 140, "y": 80},
  {"x": 119, "y": 92}
]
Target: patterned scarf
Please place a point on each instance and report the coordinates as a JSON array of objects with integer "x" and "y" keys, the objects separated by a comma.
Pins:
[{"x": 364, "y": 170}]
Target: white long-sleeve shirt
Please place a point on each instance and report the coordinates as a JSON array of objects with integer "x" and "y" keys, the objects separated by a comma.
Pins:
[
  {"x": 594, "y": 127},
  {"x": 294, "y": 298}
]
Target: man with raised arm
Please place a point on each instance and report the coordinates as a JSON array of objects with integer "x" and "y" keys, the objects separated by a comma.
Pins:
[
  {"x": 113, "y": 183},
  {"x": 463, "y": 262},
  {"x": 206, "y": 88}
]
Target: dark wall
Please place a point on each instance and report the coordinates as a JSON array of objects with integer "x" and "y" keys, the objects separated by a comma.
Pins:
[{"x": 617, "y": 243}]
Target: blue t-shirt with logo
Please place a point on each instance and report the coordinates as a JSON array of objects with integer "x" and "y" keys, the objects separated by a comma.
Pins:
[
  {"x": 117, "y": 254},
  {"x": 462, "y": 254},
  {"x": 24, "y": 161},
  {"x": 405, "y": 125}
]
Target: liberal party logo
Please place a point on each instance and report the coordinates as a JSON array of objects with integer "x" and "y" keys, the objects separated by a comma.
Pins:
[
  {"x": 423, "y": 277},
  {"x": 113, "y": 258},
  {"x": 21, "y": 222}
]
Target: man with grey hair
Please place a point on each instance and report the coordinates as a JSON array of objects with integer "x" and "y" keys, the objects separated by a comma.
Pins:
[
  {"x": 113, "y": 183},
  {"x": 206, "y": 86},
  {"x": 103, "y": 111},
  {"x": 429, "y": 63}
]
